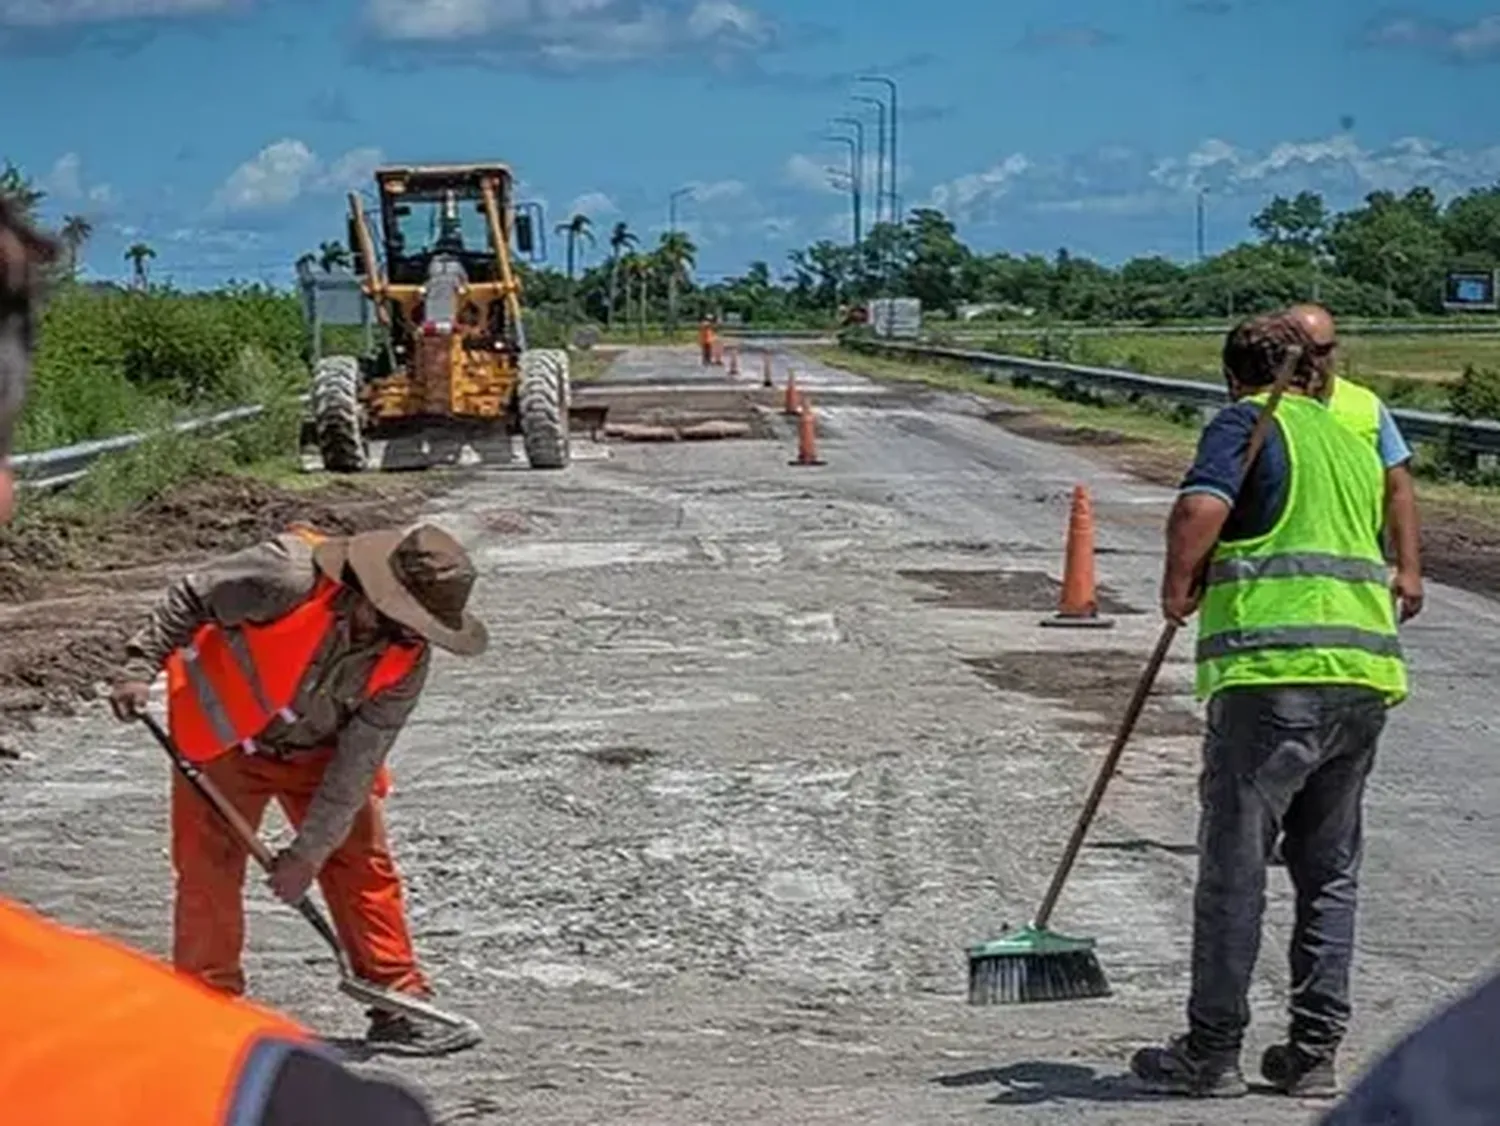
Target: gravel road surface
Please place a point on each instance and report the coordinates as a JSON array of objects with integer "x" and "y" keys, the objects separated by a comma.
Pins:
[{"x": 759, "y": 749}]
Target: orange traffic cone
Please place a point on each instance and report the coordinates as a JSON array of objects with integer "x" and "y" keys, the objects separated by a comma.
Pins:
[
  {"x": 790, "y": 405},
  {"x": 765, "y": 370},
  {"x": 807, "y": 435},
  {"x": 1078, "y": 603}
]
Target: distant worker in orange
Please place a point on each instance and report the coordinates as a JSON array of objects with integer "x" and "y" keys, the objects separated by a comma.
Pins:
[
  {"x": 292, "y": 667},
  {"x": 96, "y": 1033},
  {"x": 707, "y": 337}
]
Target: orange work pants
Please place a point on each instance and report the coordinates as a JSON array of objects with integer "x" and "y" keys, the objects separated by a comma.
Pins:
[{"x": 359, "y": 880}]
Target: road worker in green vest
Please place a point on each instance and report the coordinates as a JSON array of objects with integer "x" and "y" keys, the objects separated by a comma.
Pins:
[
  {"x": 1299, "y": 661},
  {"x": 1361, "y": 409}
]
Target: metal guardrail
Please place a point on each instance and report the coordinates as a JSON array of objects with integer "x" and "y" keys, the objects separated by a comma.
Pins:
[
  {"x": 1471, "y": 436},
  {"x": 55, "y": 468},
  {"x": 963, "y": 330}
]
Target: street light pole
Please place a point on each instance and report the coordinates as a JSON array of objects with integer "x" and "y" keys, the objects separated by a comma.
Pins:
[
  {"x": 1202, "y": 192},
  {"x": 853, "y": 179},
  {"x": 880, "y": 156},
  {"x": 671, "y": 265},
  {"x": 859, "y": 176},
  {"x": 895, "y": 197}
]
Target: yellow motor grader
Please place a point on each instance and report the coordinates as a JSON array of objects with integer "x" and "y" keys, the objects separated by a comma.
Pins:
[{"x": 453, "y": 360}]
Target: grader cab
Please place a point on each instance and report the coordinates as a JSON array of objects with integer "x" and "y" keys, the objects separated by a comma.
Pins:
[{"x": 452, "y": 359}]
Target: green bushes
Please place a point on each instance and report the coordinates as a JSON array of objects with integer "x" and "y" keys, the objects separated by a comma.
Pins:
[{"x": 110, "y": 361}]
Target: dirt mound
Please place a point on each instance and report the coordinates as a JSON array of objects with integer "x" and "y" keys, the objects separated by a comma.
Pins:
[{"x": 78, "y": 584}]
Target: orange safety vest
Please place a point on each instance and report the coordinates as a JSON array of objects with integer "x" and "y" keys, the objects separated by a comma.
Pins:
[
  {"x": 226, "y": 685},
  {"x": 94, "y": 1032}
]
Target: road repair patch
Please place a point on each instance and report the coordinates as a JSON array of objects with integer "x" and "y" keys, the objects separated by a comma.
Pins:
[
  {"x": 683, "y": 415},
  {"x": 1002, "y": 590},
  {"x": 1095, "y": 684}
]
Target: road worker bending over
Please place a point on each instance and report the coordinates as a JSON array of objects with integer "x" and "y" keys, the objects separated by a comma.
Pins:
[
  {"x": 95, "y": 1033},
  {"x": 291, "y": 668},
  {"x": 1299, "y": 660}
]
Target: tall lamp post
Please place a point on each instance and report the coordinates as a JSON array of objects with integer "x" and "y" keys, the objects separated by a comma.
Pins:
[
  {"x": 1202, "y": 194},
  {"x": 854, "y": 201},
  {"x": 880, "y": 200},
  {"x": 879, "y": 155},
  {"x": 895, "y": 192},
  {"x": 672, "y": 266},
  {"x": 859, "y": 175}
]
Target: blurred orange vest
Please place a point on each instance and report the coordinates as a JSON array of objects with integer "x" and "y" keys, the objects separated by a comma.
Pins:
[
  {"x": 95, "y": 1034},
  {"x": 227, "y": 685}
]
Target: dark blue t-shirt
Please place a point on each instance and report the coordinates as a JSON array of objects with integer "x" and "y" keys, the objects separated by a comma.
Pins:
[{"x": 1219, "y": 466}]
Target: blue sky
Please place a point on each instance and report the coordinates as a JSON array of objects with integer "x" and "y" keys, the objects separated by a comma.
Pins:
[{"x": 225, "y": 132}]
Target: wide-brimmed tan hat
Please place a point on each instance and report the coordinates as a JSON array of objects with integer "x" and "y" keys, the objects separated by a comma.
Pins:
[{"x": 420, "y": 577}]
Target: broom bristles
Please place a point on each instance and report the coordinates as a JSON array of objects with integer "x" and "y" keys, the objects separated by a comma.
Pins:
[{"x": 1033, "y": 966}]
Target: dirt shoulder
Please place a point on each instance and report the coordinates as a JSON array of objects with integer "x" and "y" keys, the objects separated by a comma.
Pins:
[
  {"x": 1460, "y": 525},
  {"x": 74, "y": 586}
]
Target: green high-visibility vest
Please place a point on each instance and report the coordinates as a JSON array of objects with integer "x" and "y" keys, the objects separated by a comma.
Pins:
[
  {"x": 1356, "y": 407},
  {"x": 1309, "y": 601}
]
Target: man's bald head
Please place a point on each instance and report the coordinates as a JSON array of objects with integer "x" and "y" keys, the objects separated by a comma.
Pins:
[
  {"x": 1316, "y": 321},
  {"x": 1317, "y": 324}
]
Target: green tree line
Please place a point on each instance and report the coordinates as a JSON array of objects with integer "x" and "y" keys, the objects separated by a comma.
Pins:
[{"x": 1387, "y": 257}]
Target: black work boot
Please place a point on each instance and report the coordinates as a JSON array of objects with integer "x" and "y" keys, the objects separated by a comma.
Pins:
[
  {"x": 1179, "y": 1069},
  {"x": 1293, "y": 1071}
]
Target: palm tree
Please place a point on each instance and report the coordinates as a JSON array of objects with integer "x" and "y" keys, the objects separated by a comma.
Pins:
[
  {"x": 75, "y": 232},
  {"x": 332, "y": 255},
  {"x": 306, "y": 262},
  {"x": 20, "y": 192},
  {"x": 576, "y": 228},
  {"x": 621, "y": 240},
  {"x": 137, "y": 256},
  {"x": 676, "y": 255}
]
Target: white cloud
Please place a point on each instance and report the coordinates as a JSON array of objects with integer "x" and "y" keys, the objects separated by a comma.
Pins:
[
  {"x": 718, "y": 190},
  {"x": 593, "y": 204},
  {"x": 282, "y": 172},
  {"x": 44, "y": 14},
  {"x": 811, "y": 174},
  {"x": 66, "y": 178},
  {"x": 66, "y": 184},
  {"x": 1118, "y": 181},
  {"x": 1466, "y": 43},
  {"x": 570, "y": 33}
]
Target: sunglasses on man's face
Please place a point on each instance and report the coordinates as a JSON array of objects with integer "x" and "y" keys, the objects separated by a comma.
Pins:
[{"x": 1322, "y": 350}]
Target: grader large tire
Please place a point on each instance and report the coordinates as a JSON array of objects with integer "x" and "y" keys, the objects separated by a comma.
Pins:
[
  {"x": 543, "y": 393},
  {"x": 335, "y": 403}
]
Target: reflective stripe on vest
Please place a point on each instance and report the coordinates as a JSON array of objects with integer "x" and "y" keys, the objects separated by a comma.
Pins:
[
  {"x": 231, "y": 682},
  {"x": 94, "y": 1032},
  {"x": 1357, "y": 407},
  {"x": 1309, "y": 601},
  {"x": 1281, "y": 566}
]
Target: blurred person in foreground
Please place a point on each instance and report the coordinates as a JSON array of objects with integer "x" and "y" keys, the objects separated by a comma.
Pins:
[{"x": 24, "y": 251}]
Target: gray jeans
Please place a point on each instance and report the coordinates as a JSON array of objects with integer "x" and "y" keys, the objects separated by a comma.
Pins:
[{"x": 1294, "y": 759}]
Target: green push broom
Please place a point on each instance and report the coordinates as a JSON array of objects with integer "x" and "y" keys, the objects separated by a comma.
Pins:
[{"x": 1037, "y": 964}]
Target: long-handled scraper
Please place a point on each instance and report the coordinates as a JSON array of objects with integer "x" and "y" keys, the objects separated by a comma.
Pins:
[{"x": 457, "y": 1032}]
